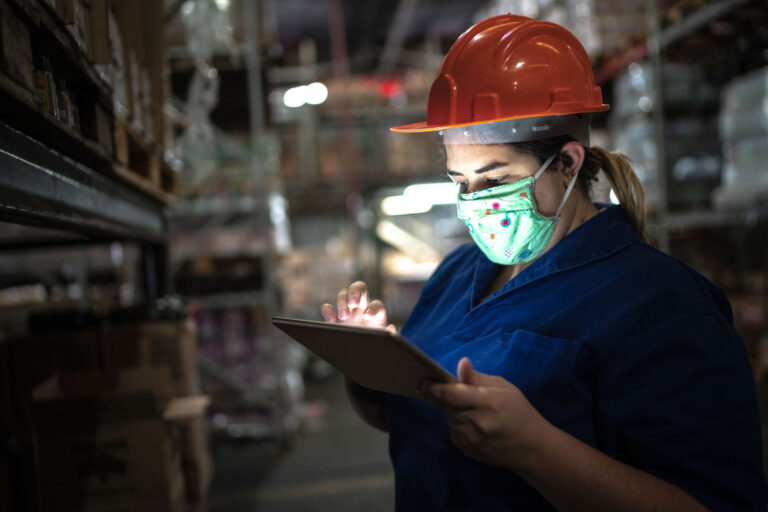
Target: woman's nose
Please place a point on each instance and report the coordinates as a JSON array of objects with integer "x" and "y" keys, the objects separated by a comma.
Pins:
[{"x": 476, "y": 185}]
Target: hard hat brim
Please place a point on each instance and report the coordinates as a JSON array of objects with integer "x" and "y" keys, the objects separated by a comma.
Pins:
[{"x": 423, "y": 127}]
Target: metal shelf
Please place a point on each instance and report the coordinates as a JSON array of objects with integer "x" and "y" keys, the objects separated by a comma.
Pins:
[
  {"x": 667, "y": 36},
  {"x": 229, "y": 300},
  {"x": 676, "y": 222},
  {"x": 39, "y": 186}
]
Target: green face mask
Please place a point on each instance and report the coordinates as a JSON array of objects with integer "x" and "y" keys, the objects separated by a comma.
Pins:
[{"x": 504, "y": 222}]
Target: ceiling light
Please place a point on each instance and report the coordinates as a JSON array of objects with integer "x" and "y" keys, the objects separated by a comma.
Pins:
[
  {"x": 433, "y": 193},
  {"x": 402, "y": 205},
  {"x": 314, "y": 94}
]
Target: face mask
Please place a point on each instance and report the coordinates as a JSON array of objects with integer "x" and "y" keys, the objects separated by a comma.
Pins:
[{"x": 504, "y": 222}]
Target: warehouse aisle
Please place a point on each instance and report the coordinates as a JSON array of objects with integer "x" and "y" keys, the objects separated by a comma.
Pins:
[{"x": 342, "y": 466}]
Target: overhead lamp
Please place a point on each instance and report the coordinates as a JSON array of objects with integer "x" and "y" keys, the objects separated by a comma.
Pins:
[
  {"x": 433, "y": 193},
  {"x": 313, "y": 94},
  {"x": 402, "y": 205},
  {"x": 419, "y": 198}
]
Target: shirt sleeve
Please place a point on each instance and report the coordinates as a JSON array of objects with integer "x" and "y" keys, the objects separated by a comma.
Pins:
[{"x": 681, "y": 404}]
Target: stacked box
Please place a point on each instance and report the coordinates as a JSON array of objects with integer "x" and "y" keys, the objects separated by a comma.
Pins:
[
  {"x": 104, "y": 445},
  {"x": 189, "y": 415},
  {"x": 44, "y": 354},
  {"x": 16, "y": 58},
  {"x": 162, "y": 343}
]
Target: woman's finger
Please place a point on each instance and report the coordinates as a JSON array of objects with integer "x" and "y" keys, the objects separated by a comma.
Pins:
[
  {"x": 455, "y": 396},
  {"x": 357, "y": 297},
  {"x": 342, "y": 307},
  {"x": 375, "y": 314},
  {"x": 328, "y": 313}
]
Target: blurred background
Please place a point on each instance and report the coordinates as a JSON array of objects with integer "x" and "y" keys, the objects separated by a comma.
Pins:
[{"x": 174, "y": 173}]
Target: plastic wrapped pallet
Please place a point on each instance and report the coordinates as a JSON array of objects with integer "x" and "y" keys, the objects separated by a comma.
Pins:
[{"x": 743, "y": 127}]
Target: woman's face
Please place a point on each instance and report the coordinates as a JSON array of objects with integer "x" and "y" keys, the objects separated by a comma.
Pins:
[{"x": 482, "y": 166}]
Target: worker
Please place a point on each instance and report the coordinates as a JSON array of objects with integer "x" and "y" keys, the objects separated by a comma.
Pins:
[{"x": 594, "y": 372}]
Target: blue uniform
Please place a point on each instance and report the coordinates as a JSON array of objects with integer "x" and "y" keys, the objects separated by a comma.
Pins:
[{"x": 614, "y": 342}]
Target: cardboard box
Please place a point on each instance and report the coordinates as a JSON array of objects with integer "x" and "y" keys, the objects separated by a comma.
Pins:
[
  {"x": 75, "y": 16},
  {"x": 163, "y": 343},
  {"x": 103, "y": 444},
  {"x": 16, "y": 48},
  {"x": 189, "y": 415},
  {"x": 99, "y": 46},
  {"x": 44, "y": 354},
  {"x": 103, "y": 125}
]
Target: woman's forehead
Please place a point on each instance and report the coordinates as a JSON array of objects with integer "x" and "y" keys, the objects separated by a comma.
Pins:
[{"x": 468, "y": 157}]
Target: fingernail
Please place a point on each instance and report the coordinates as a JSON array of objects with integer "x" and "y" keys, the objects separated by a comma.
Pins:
[
  {"x": 343, "y": 313},
  {"x": 353, "y": 300}
]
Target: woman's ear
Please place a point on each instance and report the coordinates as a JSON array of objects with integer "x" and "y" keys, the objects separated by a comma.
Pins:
[{"x": 571, "y": 158}]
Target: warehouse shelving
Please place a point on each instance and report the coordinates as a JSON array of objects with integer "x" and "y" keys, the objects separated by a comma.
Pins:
[
  {"x": 64, "y": 190},
  {"x": 40, "y": 186}
]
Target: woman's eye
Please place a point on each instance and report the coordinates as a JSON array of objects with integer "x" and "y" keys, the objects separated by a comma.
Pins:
[{"x": 492, "y": 182}]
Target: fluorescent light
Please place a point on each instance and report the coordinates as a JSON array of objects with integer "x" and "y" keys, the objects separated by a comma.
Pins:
[
  {"x": 419, "y": 198},
  {"x": 406, "y": 242},
  {"x": 402, "y": 205},
  {"x": 293, "y": 97},
  {"x": 433, "y": 193},
  {"x": 314, "y": 94},
  {"x": 614, "y": 198}
]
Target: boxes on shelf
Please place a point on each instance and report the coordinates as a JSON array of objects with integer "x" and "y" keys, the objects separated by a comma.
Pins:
[
  {"x": 74, "y": 14},
  {"x": 103, "y": 443},
  {"x": 148, "y": 344},
  {"x": 16, "y": 59},
  {"x": 62, "y": 351}
]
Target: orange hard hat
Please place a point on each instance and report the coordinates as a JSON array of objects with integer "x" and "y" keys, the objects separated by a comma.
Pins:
[{"x": 510, "y": 67}]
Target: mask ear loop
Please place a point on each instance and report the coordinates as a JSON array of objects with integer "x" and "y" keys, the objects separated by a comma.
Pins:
[
  {"x": 543, "y": 167},
  {"x": 567, "y": 193}
]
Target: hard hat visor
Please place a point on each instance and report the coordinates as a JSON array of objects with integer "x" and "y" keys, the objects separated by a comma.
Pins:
[{"x": 520, "y": 130}]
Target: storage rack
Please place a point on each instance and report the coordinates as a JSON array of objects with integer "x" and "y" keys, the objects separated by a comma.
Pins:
[
  {"x": 102, "y": 183},
  {"x": 55, "y": 176},
  {"x": 666, "y": 222}
]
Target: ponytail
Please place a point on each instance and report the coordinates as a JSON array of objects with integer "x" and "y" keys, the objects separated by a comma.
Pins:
[{"x": 624, "y": 182}]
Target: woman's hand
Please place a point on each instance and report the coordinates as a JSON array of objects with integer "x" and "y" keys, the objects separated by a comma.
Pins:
[
  {"x": 491, "y": 421},
  {"x": 353, "y": 306},
  {"x": 489, "y": 418}
]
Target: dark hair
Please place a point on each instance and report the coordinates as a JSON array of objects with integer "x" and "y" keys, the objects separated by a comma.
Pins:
[{"x": 617, "y": 168}]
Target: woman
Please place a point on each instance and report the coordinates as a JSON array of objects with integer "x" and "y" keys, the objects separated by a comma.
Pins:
[{"x": 595, "y": 372}]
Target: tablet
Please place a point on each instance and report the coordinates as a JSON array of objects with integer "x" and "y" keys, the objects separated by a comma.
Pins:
[{"x": 371, "y": 356}]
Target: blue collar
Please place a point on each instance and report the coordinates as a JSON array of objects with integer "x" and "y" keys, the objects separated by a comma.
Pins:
[{"x": 603, "y": 235}]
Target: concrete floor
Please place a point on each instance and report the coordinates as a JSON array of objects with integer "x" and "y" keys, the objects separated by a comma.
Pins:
[{"x": 342, "y": 465}]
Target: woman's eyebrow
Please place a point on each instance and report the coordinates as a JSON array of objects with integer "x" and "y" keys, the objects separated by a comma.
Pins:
[{"x": 487, "y": 168}]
